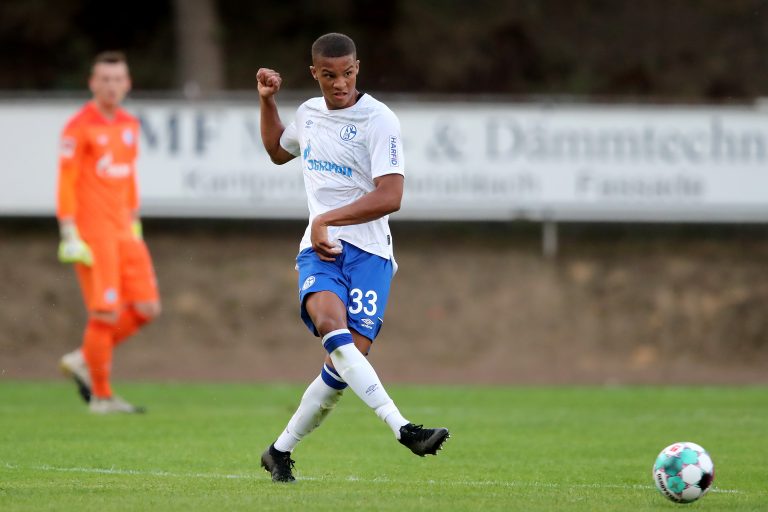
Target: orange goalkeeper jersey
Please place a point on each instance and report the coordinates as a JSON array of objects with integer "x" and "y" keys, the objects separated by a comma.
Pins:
[{"x": 97, "y": 172}]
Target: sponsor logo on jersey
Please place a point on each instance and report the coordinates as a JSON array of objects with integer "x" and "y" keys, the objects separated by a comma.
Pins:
[
  {"x": 67, "y": 148},
  {"x": 367, "y": 323},
  {"x": 309, "y": 123},
  {"x": 393, "y": 151},
  {"x": 314, "y": 164},
  {"x": 324, "y": 165},
  {"x": 348, "y": 132},
  {"x": 308, "y": 282},
  {"x": 128, "y": 137},
  {"x": 106, "y": 168}
]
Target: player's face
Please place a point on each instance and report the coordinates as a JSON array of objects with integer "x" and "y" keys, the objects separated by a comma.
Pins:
[
  {"x": 110, "y": 83},
  {"x": 337, "y": 77}
]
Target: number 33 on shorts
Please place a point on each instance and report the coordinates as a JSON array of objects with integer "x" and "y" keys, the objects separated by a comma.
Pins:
[{"x": 362, "y": 301}]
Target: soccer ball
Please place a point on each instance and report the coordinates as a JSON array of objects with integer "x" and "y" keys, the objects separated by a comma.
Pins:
[{"x": 683, "y": 472}]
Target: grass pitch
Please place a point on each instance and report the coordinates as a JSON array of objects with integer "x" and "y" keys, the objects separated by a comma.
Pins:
[{"x": 529, "y": 449}]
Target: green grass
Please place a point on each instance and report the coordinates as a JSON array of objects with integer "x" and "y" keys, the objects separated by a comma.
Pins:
[{"x": 529, "y": 449}]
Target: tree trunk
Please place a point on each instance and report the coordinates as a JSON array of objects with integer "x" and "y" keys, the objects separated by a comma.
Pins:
[{"x": 198, "y": 46}]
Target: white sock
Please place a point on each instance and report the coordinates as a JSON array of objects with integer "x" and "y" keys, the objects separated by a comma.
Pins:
[
  {"x": 318, "y": 401},
  {"x": 356, "y": 371}
]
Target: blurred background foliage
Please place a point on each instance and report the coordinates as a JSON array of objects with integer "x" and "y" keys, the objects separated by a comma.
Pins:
[{"x": 658, "y": 50}]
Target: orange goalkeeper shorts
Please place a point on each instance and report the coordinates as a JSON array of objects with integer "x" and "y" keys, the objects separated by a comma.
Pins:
[{"x": 121, "y": 273}]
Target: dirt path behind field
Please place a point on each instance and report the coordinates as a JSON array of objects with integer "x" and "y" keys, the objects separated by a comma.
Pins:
[{"x": 470, "y": 304}]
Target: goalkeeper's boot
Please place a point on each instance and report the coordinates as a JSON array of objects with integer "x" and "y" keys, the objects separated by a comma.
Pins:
[
  {"x": 278, "y": 464},
  {"x": 114, "y": 405},
  {"x": 73, "y": 365},
  {"x": 423, "y": 441}
]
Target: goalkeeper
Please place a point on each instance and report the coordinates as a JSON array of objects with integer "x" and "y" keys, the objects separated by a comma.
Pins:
[{"x": 101, "y": 232}]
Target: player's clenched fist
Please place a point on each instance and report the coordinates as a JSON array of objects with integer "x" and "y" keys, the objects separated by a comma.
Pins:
[
  {"x": 268, "y": 81},
  {"x": 326, "y": 249}
]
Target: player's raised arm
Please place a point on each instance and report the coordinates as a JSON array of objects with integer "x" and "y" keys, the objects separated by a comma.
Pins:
[{"x": 268, "y": 82}]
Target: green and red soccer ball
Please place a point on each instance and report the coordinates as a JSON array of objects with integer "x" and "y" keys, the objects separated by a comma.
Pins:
[{"x": 683, "y": 472}]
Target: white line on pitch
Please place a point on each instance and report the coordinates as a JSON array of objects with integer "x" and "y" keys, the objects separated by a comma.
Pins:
[{"x": 249, "y": 476}]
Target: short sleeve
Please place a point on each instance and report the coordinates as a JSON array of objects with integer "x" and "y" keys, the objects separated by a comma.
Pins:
[
  {"x": 289, "y": 140},
  {"x": 386, "y": 145}
]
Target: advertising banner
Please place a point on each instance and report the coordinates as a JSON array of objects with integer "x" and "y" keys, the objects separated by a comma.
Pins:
[{"x": 464, "y": 161}]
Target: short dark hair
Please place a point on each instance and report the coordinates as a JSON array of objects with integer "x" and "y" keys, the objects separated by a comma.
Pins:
[
  {"x": 333, "y": 45},
  {"x": 110, "y": 57}
]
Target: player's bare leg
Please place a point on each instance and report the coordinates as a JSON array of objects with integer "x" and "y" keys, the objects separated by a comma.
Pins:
[{"x": 149, "y": 309}]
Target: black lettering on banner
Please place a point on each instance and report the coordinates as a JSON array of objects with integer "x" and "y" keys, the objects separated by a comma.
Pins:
[
  {"x": 203, "y": 133},
  {"x": 153, "y": 137},
  {"x": 698, "y": 141},
  {"x": 507, "y": 133},
  {"x": 445, "y": 143},
  {"x": 173, "y": 134},
  {"x": 148, "y": 131}
]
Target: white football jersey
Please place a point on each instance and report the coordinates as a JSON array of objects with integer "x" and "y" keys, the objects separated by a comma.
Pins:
[{"x": 342, "y": 151}]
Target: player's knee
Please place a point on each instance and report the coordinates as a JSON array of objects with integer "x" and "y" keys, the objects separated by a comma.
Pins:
[
  {"x": 148, "y": 310},
  {"x": 107, "y": 317},
  {"x": 327, "y": 323}
]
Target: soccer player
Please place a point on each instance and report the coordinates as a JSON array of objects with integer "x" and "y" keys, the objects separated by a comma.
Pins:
[
  {"x": 101, "y": 231},
  {"x": 353, "y": 169}
]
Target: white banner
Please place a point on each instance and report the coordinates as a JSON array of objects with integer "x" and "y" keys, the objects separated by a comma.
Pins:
[{"x": 463, "y": 161}]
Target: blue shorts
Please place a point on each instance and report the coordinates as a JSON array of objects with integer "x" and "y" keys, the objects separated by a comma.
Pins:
[{"x": 360, "y": 279}]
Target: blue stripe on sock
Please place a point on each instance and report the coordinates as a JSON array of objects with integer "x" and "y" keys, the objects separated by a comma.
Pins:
[
  {"x": 330, "y": 381},
  {"x": 334, "y": 342},
  {"x": 332, "y": 371}
]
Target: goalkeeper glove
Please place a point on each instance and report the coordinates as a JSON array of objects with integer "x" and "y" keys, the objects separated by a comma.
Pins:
[
  {"x": 137, "y": 229},
  {"x": 72, "y": 249}
]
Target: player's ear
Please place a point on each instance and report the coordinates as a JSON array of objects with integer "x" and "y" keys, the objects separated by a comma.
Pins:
[
  {"x": 92, "y": 84},
  {"x": 313, "y": 71}
]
